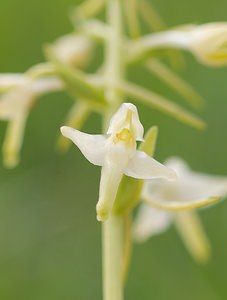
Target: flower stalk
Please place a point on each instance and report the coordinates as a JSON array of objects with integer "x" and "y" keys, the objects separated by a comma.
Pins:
[
  {"x": 113, "y": 251},
  {"x": 113, "y": 228}
]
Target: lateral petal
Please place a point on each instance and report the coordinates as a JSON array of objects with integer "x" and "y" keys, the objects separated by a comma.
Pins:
[
  {"x": 142, "y": 166},
  {"x": 91, "y": 145}
]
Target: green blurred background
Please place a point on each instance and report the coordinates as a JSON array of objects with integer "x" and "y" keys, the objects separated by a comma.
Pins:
[{"x": 49, "y": 237}]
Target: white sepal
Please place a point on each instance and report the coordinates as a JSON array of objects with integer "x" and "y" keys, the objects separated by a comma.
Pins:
[
  {"x": 92, "y": 146},
  {"x": 142, "y": 166}
]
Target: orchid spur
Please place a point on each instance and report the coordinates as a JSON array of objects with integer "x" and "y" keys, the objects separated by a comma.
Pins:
[
  {"x": 116, "y": 153},
  {"x": 166, "y": 202}
]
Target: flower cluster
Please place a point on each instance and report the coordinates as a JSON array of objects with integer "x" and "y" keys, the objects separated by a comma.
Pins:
[
  {"x": 170, "y": 192},
  {"x": 70, "y": 54}
]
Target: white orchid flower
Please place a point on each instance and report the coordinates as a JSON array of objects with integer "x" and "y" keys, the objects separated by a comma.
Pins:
[
  {"x": 165, "y": 199},
  {"x": 15, "y": 103},
  {"x": 116, "y": 153},
  {"x": 73, "y": 49},
  {"x": 207, "y": 42}
]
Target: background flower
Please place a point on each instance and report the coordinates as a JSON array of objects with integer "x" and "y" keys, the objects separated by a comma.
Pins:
[{"x": 186, "y": 191}]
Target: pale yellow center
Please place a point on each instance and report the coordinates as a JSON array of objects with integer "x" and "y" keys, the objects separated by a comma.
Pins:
[{"x": 125, "y": 137}]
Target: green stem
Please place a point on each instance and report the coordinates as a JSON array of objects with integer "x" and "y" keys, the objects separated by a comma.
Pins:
[
  {"x": 127, "y": 246},
  {"x": 114, "y": 61},
  {"x": 113, "y": 250},
  {"x": 113, "y": 228}
]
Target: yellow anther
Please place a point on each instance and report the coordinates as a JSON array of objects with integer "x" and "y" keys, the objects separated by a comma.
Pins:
[{"x": 124, "y": 136}]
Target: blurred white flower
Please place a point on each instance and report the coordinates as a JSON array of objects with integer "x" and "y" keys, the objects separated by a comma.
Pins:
[
  {"x": 117, "y": 155},
  {"x": 19, "y": 94},
  {"x": 207, "y": 42},
  {"x": 165, "y": 198},
  {"x": 73, "y": 49}
]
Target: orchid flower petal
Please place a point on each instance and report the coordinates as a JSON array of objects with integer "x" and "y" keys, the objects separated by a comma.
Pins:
[
  {"x": 92, "y": 146},
  {"x": 142, "y": 166},
  {"x": 150, "y": 221}
]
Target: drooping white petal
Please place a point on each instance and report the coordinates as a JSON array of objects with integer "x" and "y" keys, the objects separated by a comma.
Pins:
[
  {"x": 150, "y": 221},
  {"x": 142, "y": 166},
  {"x": 127, "y": 117},
  {"x": 92, "y": 146},
  {"x": 110, "y": 179}
]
